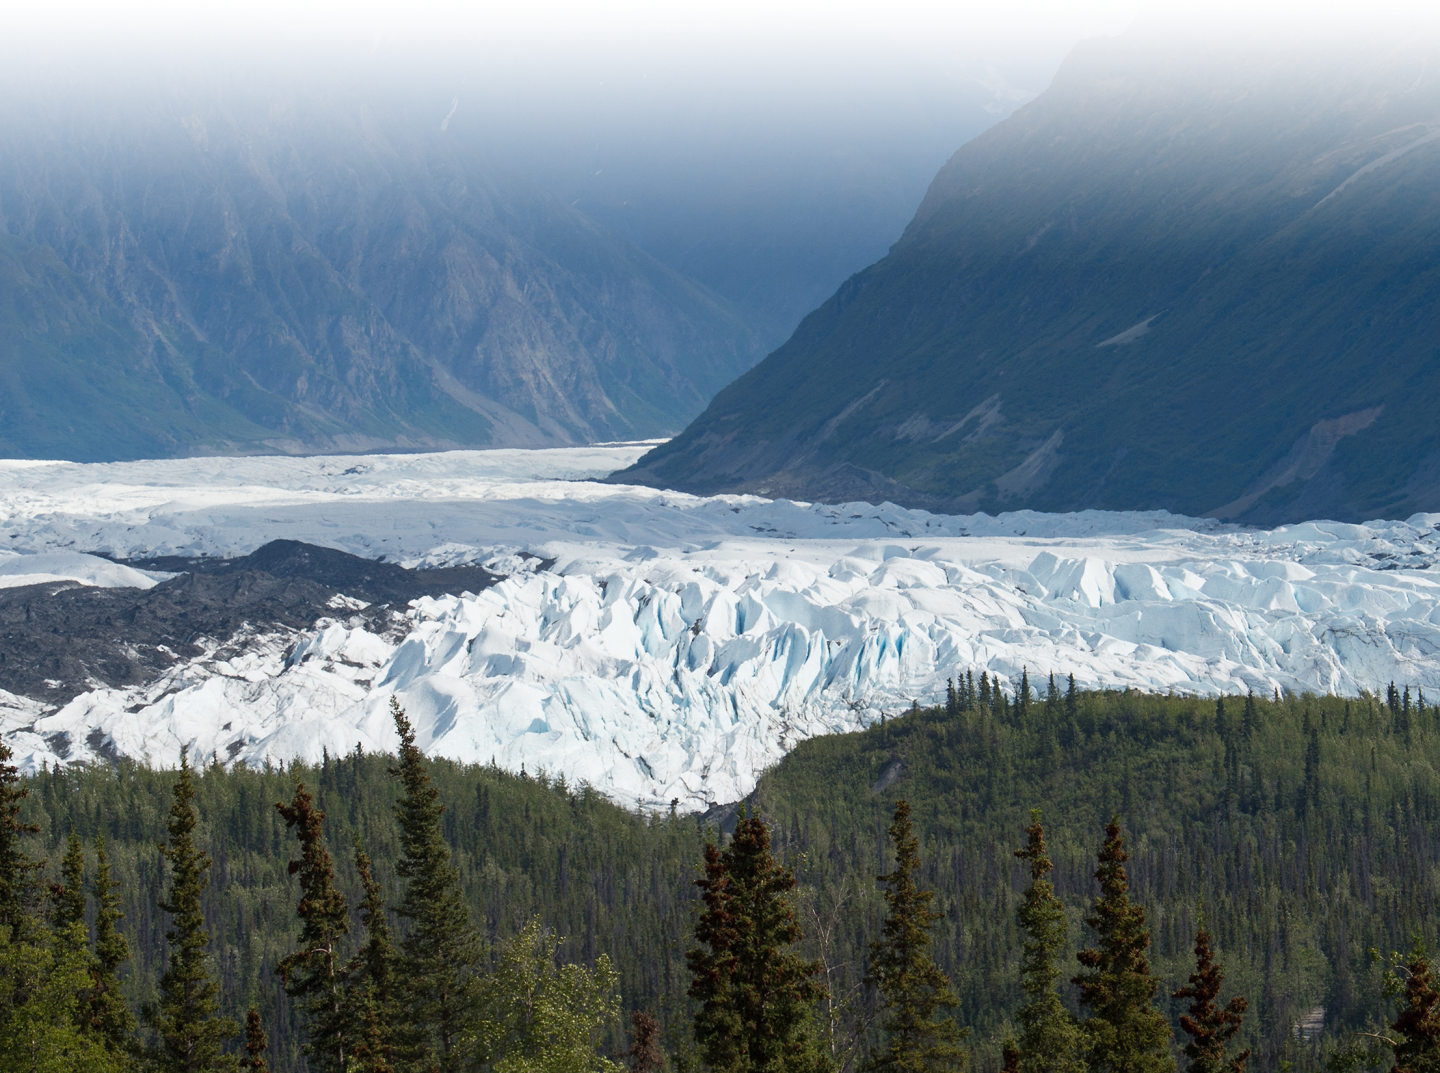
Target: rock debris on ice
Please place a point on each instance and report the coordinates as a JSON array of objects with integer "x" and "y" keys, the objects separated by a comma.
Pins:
[{"x": 662, "y": 646}]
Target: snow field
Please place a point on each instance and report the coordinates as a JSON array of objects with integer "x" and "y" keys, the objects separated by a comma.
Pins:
[{"x": 665, "y": 646}]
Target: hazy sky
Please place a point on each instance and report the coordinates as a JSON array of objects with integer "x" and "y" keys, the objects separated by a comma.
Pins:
[
  {"x": 1041, "y": 16},
  {"x": 1008, "y": 42}
]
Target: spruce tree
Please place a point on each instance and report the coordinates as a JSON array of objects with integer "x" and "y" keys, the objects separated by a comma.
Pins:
[
  {"x": 1417, "y": 1050},
  {"x": 645, "y": 1053},
  {"x": 67, "y": 898},
  {"x": 370, "y": 981},
  {"x": 67, "y": 925},
  {"x": 110, "y": 1015},
  {"x": 257, "y": 1047},
  {"x": 440, "y": 952},
  {"x": 1126, "y": 1033},
  {"x": 43, "y": 979},
  {"x": 313, "y": 973},
  {"x": 1009, "y": 1057},
  {"x": 756, "y": 994},
  {"x": 1050, "y": 1040},
  {"x": 1210, "y": 1027},
  {"x": 17, "y": 870},
  {"x": 918, "y": 1037},
  {"x": 187, "y": 1018},
  {"x": 714, "y": 965}
]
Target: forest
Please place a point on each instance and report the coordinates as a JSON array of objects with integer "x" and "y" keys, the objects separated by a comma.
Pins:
[{"x": 1298, "y": 830}]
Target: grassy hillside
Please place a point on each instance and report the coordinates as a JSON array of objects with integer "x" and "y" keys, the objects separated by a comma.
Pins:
[{"x": 1304, "y": 833}]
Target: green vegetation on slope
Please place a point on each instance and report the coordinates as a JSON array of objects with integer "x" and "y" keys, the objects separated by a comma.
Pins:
[{"x": 1303, "y": 831}]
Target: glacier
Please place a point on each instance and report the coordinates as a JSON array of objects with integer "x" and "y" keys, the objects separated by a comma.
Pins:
[{"x": 667, "y": 648}]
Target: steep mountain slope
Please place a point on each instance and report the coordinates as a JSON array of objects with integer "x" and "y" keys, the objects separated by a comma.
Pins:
[
  {"x": 766, "y": 159},
  {"x": 184, "y": 269},
  {"x": 1194, "y": 278},
  {"x": 74, "y": 369}
]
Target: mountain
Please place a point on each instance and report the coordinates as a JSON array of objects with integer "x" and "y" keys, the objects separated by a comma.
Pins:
[
  {"x": 1188, "y": 276},
  {"x": 296, "y": 267},
  {"x": 768, "y": 159}
]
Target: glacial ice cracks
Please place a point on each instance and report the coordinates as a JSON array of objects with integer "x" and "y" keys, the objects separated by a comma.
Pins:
[{"x": 660, "y": 646}]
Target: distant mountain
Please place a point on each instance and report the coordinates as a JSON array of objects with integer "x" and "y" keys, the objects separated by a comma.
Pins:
[
  {"x": 1201, "y": 279},
  {"x": 766, "y": 159},
  {"x": 192, "y": 272}
]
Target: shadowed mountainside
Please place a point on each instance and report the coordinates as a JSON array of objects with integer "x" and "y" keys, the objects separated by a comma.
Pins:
[
  {"x": 768, "y": 159},
  {"x": 1194, "y": 278},
  {"x": 185, "y": 271}
]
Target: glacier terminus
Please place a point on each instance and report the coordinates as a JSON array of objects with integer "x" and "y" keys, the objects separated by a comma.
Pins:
[{"x": 666, "y": 647}]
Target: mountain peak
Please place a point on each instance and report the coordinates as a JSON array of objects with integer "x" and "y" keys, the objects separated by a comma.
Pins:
[{"x": 1161, "y": 280}]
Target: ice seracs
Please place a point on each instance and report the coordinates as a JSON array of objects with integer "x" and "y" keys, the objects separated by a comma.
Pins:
[{"x": 662, "y": 646}]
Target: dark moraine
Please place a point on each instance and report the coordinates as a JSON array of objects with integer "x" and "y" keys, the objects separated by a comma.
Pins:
[{"x": 59, "y": 639}]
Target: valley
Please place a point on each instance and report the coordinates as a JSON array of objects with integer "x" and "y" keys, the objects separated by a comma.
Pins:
[{"x": 433, "y": 454}]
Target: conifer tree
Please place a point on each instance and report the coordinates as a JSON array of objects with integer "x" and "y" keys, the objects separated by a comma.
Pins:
[
  {"x": 257, "y": 1047},
  {"x": 1126, "y": 1033},
  {"x": 1072, "y": 699},
  {"x": 1417, "y": 1050},
  {"x": 187, "y": 1018},
  {"x": 1210, "y": 1027},
  {"x": 644, "y": 1052},
  {"x": 313, "y": 973},
  {"x": 440, "y": 952},
  {"x": 714, "y": 971},
  {"x": 43, "y": 978},
  {"x": 370, "y": 981},
  {"x": 1310, "y": 790},
  {"x": 67, "y": 925},
  {"x": 919, "y": 1038},
  {"x": 1050, "y": 1040},
  {"x": 110, "y": 1015},
  {"x": 17, "y": 870},
  {"x": 67, "y": 898},
  {"x": 755, "y": 993}
]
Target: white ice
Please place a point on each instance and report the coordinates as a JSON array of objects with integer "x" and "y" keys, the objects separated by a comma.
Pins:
[
  {"x": 33, "y": 569},
  {"x": 660, "y": 645}
]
